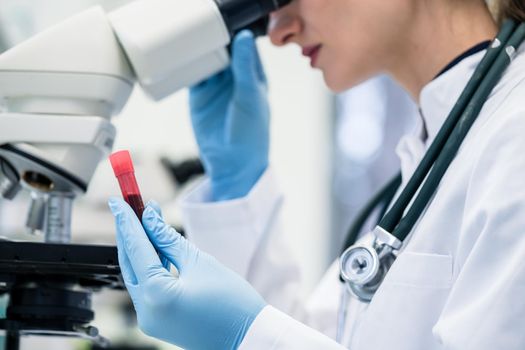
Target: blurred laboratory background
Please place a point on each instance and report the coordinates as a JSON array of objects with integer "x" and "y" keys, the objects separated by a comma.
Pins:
[{"x": 330, "y": 154}]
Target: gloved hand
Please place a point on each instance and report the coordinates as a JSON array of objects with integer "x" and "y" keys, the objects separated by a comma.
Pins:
[
  {"x": 207, "y": 306},
  {"x": 230, "y": 117}
]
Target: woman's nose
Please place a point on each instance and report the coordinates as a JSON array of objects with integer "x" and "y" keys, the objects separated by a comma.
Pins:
[{"x": 284, "y": 25}]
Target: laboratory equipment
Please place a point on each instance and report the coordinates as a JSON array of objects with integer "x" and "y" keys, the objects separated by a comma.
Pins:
[
  {"x": 183, "y": 171},
  {"x": 50, "y": 288},
  {"x": 363, "y": 265},
  {"x": 58, "y": 92},
  {"x": 81, "y": 80}
]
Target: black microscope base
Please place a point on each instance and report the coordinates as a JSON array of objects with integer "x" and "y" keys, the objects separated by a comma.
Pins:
[{"x": 50, "y": 286}]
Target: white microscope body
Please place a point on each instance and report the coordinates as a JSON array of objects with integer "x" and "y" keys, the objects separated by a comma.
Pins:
[{"x": 59, "y": 90}]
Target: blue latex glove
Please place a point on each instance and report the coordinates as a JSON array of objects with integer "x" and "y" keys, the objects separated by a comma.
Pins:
[
  {"x": 207, "y": 306},
  {"x": 230, "y": 117}
]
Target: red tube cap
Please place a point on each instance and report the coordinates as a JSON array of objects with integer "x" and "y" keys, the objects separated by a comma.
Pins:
[{"x": 121, "y": 163}]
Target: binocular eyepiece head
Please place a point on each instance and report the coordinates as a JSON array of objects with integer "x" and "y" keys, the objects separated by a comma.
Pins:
[{"x": 248, "y": 14}]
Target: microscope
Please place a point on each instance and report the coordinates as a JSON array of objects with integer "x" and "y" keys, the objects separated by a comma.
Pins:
[{"x": 58, "y": 93}]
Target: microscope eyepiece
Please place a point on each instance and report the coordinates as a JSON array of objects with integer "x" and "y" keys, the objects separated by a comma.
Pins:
[
  {"x": 248, "y": 14},
  {"x": 282, "y": 3}
]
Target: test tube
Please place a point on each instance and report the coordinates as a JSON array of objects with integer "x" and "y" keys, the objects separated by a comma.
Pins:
[{"x": 125, "y": 173}]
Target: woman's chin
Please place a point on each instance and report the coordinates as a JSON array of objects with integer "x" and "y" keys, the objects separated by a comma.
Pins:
[{"x": 336, "y": 84}]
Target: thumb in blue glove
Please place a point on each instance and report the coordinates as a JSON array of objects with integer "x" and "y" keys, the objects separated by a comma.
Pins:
[
  {"x": 207, "y": 306},
  {"x": 230, "y": 118}
]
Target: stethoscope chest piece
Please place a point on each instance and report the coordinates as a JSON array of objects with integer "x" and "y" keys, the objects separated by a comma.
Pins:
[
  {"x": 359, "y": 264},
  {"x": 359, "y": 267},
  {"x": 364, "y": 265}
]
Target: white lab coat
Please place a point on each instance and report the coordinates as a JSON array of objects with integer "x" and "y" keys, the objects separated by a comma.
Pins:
[{"x": 460, "y": 281}]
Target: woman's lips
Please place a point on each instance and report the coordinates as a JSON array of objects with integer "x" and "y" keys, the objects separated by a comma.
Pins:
[{"x": 312, "y": 52}]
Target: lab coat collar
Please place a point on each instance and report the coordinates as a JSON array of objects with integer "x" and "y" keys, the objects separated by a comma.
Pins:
[
  {"x": 439, "y": 96},
  {"x": 435, "y": 103}
]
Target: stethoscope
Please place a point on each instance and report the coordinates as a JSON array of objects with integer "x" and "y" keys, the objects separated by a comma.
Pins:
[{"x": 364, "y": 264}]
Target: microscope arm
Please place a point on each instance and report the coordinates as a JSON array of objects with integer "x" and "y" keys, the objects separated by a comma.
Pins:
[{"x": 95, "y": 131}]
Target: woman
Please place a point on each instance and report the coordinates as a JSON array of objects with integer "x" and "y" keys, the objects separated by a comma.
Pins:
[{"x": 458, "y": 282}]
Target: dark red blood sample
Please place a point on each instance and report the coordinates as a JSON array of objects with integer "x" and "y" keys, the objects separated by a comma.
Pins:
[
  {"x": 125, "y": 173},
  {"x": 131, "y": 193},
  {"x": 136, "y": 203}
]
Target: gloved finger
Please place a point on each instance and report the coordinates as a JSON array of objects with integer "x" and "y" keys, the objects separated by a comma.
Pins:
[
  {"x": 259, "y": 68},
  {"x": 125, "y": 265},
  {"x": 135, "y": 295},
  {"x": 206, "y": 92},
  {"x": 206, "y": 83},
  {"x": 142, "y": 256},
  {"x": 168, "y": 241},
  {"x": 155, "y": 206},
  {"x": 246, "y": 63}
]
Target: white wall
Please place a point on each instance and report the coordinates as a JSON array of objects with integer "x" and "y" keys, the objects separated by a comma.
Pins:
[{"x": 301, "y": 153}]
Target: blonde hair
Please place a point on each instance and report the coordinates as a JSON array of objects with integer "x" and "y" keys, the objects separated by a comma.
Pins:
[{"x": 514, "y": 9}]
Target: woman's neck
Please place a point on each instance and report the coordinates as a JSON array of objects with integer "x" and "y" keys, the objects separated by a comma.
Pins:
[{"x": 439, "y": 34}]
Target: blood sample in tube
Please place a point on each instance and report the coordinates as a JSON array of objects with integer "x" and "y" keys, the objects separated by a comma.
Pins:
[
  {"x": 123, "y": 168},
  {"x": 125, "y": 173}
]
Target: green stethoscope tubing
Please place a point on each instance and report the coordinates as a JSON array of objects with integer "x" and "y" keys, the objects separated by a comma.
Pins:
[
  {"x": 381, "y": 199},
  {"x": 445, "y": 145}
]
